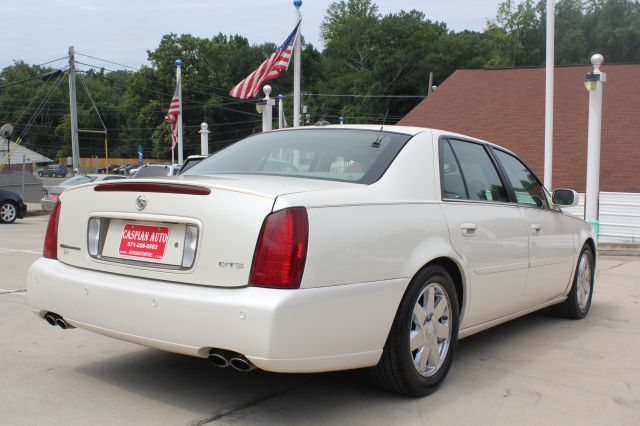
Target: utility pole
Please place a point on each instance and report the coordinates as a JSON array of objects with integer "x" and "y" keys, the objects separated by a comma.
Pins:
[
  {"x": 430, "y": 88},
  {"x": 75, "y": 149}
]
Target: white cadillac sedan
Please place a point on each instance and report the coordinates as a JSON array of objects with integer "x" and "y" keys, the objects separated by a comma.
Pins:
[{"x": 318, "y": 249}]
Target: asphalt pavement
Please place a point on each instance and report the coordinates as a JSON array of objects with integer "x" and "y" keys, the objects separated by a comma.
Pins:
[{"x": 537, "y": 370}]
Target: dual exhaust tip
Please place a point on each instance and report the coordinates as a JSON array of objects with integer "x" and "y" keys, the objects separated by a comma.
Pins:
[
  {"x": 55, "y": 319},
  {"x": 221, "y": 358}
]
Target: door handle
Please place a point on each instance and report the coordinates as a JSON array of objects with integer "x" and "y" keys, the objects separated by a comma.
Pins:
[
  {"x": 468, "y": 229},
  {"x": 535, "y": 228}
]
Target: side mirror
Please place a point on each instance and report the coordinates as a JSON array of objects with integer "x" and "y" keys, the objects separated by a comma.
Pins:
[{"x": 564, "y": 197}]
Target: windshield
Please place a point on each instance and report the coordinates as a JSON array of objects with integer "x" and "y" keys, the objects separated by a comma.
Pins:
[
  {"x": 359, "y": 156},
  {"x": 77, "y": 180}
]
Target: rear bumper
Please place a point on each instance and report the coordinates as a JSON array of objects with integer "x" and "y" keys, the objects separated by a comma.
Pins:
[
  {"x": 47, "y": 204},
  {"x": 22, "y": 210},
  {"x": 305, "y": 330}
]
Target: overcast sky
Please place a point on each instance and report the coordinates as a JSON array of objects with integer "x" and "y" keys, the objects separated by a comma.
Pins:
[{"x": 37, "y": 31}]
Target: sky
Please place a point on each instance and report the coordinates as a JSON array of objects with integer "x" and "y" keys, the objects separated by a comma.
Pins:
[{"x": 38, "y": 31}]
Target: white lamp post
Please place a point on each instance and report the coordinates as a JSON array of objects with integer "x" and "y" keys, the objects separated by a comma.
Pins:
[
  {"x": 593, "y": 83},
  {"x": 204, "y": 138}
]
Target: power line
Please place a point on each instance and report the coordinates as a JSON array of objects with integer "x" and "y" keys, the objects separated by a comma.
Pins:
[
  {"x": 109, "y": 62},
  {"x": 362, "y": 96},
  {"x": 49, "y": 62}
]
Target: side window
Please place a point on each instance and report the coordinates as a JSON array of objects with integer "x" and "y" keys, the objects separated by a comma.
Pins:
[
  {"x": 452, "y": 183},
  {"x": 480, "y": 175},
  {"x": 525, "y": 185}
]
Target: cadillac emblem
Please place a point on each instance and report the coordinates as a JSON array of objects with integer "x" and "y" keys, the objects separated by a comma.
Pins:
[{"x": 141, "y": 202}]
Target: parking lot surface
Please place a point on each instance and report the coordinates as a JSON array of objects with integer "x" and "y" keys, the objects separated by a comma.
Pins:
[{"x": 532, "y": 371}]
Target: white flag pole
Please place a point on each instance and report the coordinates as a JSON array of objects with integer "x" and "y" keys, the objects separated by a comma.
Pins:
[
  {"x": 548, "y": 110},
  {"x": 296, "y": 67},
  {"x": 179, "y": 79}
]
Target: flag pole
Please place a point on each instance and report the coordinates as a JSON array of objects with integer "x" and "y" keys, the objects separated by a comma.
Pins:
[
  {"x": 179, "y": 78},
  {"x": 548, "y": 110},
  {"x": 296, "y": 68}
]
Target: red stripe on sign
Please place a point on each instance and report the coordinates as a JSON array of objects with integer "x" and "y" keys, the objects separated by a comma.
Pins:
[{"x": 168, "y": 188}]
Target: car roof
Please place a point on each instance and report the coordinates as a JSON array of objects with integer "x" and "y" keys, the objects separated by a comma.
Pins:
[{"x": 407, "y": 130}]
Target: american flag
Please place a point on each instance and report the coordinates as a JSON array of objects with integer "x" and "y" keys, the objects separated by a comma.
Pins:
[
  {"x": 172, "y": 115},
  {"x": 270, "y": 68}
]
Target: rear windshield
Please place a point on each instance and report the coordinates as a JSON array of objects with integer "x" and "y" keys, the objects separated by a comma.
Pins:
[
  {"x": 359, "y": 156},
  {"x": 77, "y": 180},
  {"x": 152, "y": 171}
]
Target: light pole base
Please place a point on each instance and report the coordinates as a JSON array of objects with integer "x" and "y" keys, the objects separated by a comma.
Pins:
[{"x": 596, "y": 227}]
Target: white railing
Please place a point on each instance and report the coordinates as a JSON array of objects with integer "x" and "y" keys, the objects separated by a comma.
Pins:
[{"x": 619, "y": 217}]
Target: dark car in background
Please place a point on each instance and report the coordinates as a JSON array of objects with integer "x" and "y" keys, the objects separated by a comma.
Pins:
[
  {"x": 53, "y": 170},
  {"x": 11, "y": 207},
  {"x": 103, "y": 170},
  {"x": 124, "y": 169}
]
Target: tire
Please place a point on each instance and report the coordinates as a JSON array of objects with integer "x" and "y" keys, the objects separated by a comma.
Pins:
[
  {"x": 404, "y": 371},
  {"x": 8, "y": 212},
  {"x": 579, "y": 300}
]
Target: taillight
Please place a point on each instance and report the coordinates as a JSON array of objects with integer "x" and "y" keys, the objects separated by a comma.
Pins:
[
  {"x": 50, "y": 249},
  {"x": 281, "y": 250}
]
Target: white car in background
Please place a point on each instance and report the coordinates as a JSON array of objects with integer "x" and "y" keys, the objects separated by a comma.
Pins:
[{"x": 318, "y": 249}]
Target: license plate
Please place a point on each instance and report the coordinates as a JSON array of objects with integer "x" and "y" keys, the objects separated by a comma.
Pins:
[{"x": 143, "y": 241}]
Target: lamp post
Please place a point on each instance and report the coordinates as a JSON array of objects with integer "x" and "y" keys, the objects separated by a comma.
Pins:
[
  {"x": 593, "y": 83},
  {"x": 264, "y": 107},
  {"x": 204, "y": 138}
]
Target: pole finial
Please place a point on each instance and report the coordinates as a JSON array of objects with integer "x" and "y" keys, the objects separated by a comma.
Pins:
[
  {"x": 267, "y": 91},
  {"x": 178, "y": 62},
  {"x": 597, "y": 60},
  {"x": 297, "y": 4}
]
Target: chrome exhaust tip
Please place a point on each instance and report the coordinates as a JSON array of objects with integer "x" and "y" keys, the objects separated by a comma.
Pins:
[
  {"x": 50, "y": 318},
  {"x": 62, "y": 324},
  {"x": 218, "y": 360},
  {"x": 242, "y": 364}
]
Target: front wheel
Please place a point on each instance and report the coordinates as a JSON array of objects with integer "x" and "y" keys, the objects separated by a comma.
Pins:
[
  {"x": 423, "y": 337},
  {"x": 8, "y": 212},
  {"x": 579, "y": 300}
]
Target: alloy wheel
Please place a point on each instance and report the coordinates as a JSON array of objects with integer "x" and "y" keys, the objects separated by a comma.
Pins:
[
  {"x": 430, "y": 332},
  {"x": 8, "y": 212},
  {"x": 585, "y": 277}
]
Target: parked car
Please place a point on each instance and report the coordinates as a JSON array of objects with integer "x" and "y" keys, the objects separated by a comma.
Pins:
[
  {"x": 156, "y": 170},
  {"x": 50, "y": 194},
  {"x": 124, "y": 169},
  {"x": 110, "y": 167},
  {"x": 189, "y": 162},
  {"x": 377, "y": 247},
  {"x": 53, "y": 170},
  {"x": 11, "y": 207}
]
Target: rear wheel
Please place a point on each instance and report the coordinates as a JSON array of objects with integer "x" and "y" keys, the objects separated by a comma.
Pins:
[
  {"x": 423, "y": 338},
  {"x": 8, "y": 212},
  {"x": 579, "y": 300}
]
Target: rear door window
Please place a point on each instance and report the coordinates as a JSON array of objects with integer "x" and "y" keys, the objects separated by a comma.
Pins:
[{"x": 481, "y": 179}]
